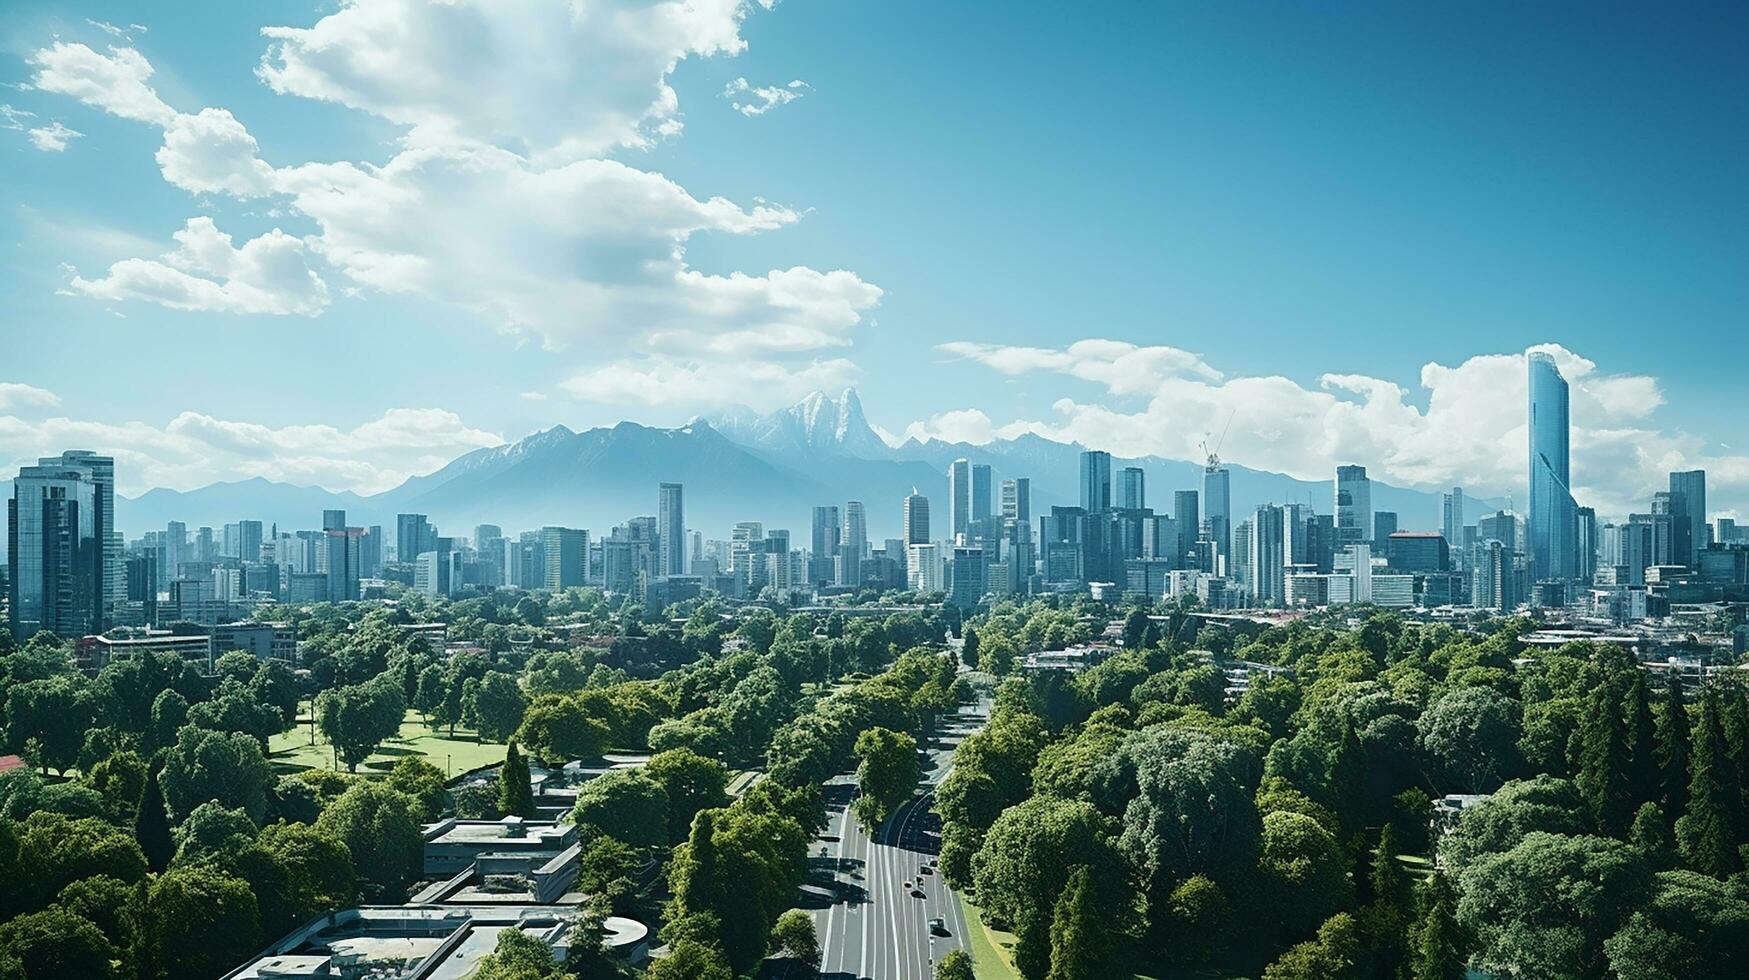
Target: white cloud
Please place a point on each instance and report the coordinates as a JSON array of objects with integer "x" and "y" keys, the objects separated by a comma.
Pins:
[
  {"x": 204, "y": 273},
  {"x": 1124, "y": 368},
  {"x": 555, "y": 81},
  {"x": 968, "y": 425},
  {"x": 123, "y": 33},
  {"x": 1472, "y": 431},
  {"x": 16, "y": 396},
  {"x": 682, "y": 383},
  {"x": 116, "y": 83},
  {"x": 195, "y": 449},
  {"x": 760, "y": 100},
  {"x": 11, "y": 118},
  {"x": 54, "y": 137},
  {"x": 210, "y": 151}
]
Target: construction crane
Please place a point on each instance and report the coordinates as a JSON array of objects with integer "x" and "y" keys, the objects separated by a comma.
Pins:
[{"x": 1214, "y": 455}]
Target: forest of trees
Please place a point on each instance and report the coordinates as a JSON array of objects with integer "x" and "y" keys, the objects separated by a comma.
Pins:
[{"x": 1135, "y": 815}]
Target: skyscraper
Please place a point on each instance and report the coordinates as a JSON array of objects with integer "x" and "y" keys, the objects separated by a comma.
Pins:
[
  {"x": 112, "y": 587},
  {"x": 1217, "y": 508},
  {"x": 249, "y": 540},
  {"x": 1452, "y": 517},
  {"x": 671, "y": 529},
  {"x": 566, "y": 550},
  {"x": 55, "y": 548},
  {"x": 916, "y": 518},
  {"x": 333, "y": 520},
  {"x": 1688, "y": 494},
  {"x": 1384, "y": 524},
  {"x": 345, "y": 556},
  {"x": 1267, "y": 557},
  {"x": 1353, "y": 505},
  {"x": 853, "y": 544},
  {"x": 1130, "y": 494},
  {"x": 1017, "y": 500},
  {"x": 1095, "y": 481},
  {"x": 414, "y": 536},
  {"x": 980, "y": 492},
  {"x": 959, "y": 497},
  {"x": 1552, "y": 510},
  {"x": 1186, "y": 514}
]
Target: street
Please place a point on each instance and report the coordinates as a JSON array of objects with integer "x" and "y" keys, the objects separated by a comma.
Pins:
[{"x": 870, "y": 925}]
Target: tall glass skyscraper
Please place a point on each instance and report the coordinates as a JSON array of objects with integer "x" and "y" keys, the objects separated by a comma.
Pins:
[
  {"x": 1217, "y": 508},
  {"x": 671, "y": 529},
  {"x": 959, "y": 498},
  {"x": 1353, "y": 506},
  {"x": 1553, "y": 515},
  {"x": 1095, "y": 481},
  {"x": 58, "y": 538}
]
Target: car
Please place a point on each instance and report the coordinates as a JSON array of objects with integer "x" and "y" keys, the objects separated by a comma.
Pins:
[
  {"x": 925, "y": 870},
  {"x": 917, "y": 893},
  {"x": 938, "y": 926},
  {"x": 907, "y": 885}
]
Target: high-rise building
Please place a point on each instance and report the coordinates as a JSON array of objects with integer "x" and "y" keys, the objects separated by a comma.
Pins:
[
  {"x": 566, "y": 550},
  {"x": 916, "y": 519},
  {"x": 853, "y": 543},
  {"x": 981, "y": 489},
  {"x": 344, "y": 551},
  {"x": 57, "y": 532},
  {"x": 1353, "y": 505},
  {"x": 1017, "y": 500},
  {"x": 1267, "y": 558},
  {"x": 1452, "y": 516},
  {"x": 1188, "y": 517},
  {"x": 824, "y": 545},
  {"x": 1130, "y": 493},
  {"x": 968, "y": 579},
  {"x": 959, "y": 498},
  {"x": 671, "y": 529},
  {"x": 334, "y": 520},
  {"x": 1384, "y": 524},
  {"x": 1552, "y": 521},
  {"x": 1688, "y": 493},
  {"x": 414, "y": 536},
  {"x": 1217, "y": 509},
  {"x": 249, "y": 540},
  {"x": 1095, "y": 481}
]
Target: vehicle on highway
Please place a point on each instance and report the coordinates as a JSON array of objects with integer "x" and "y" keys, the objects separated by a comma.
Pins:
[{"x": 938, "y": 926}]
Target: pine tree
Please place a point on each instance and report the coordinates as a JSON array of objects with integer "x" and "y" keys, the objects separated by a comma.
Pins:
[
  {"x": 1674, "y": 740},
  {"x": 515, "y": 797},
  {"x": 152, "y": 823},
  {"x": 969, "y": 648},
  {"x": 1705, "y": 834},
  {"x": 1604, "y": 761},
  {"x": 1078, "y": 938},
  {"x": 1390, "y": 884},
  {"x": 1651, "y": 834},
  {"x": 1439, "y": 947},
  {"x": 1734, "y": 719},
  {"x": 1644, "y": 784}
]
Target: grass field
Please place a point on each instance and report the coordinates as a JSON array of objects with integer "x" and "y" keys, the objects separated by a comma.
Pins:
[
  {"x": 993, "y": 957},
  {"x": 291, "y": 751}
]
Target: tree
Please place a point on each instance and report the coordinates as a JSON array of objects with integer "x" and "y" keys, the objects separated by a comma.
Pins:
[
  {"x": 422, "y": 781},
  {"x": 1303, "y": 871},
  {"x": 739, "y": 867},
  {"x": 224, "y": 766},
  {"x": 120, "y": 778},
  {"x": 498, "y": 706},
  {"x": 518, "y": 956},
  {"x": 212, "y": 831},
  {"x": 515, "y": 798},
  {"x": 380, "y": 828},
  {"x": 1438, "y": 950},
  {"x": 992, "y": 771},
  {"x": 275, "y": 685},
  {"x": 626, "y": 804},
  {"x": 1080, "y": 943},
  {"x": 691, "y": 960},
  {"x": 358, "y": 718},
  {"x": 1695, "y": 926},
  {"x": 607, "y": 868},
  {"x": 317, "y": 865},
  {"x": 1333, "y": 955},
  {"x": 429, "y": 694},
  {"x": 198, "y": 921},
  {"x": 1545, "y": 907},
  {"x": 887, "y": 774},
  {"x": 956, "y": 965},
  {"x": 235, "y": 710},
  {"x": 1605, "y": 759},
  {"x": 1470, "y": 735},
  {"x": 1674, "y": 740},
  {"x": 1024, "y": 866},
  {"x": 55, "y": 850},
  {"x": 1520, "y": 808},
  {"x": 54, "y": 944},
  {"x": 556, "y": 728},
  {"x": 1187, "y": 801},
  {"x": 793, "y": 936},
  {"x": 169, "y": 714},
  {"x": 969, "y": 648},
  {"x": 50, "y": 716},
  {"x": 1651, "y": 835},
  {"x": 692, "y": 782},
  {"x": 152, "y": 823},
  {"x": 1705, "y": 833}
]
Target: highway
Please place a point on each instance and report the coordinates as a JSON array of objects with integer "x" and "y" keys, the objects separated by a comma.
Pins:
[{"x": 870, "y": 925}]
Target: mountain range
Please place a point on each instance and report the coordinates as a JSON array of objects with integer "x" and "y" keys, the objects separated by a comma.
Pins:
[{"x": 736, "y": 465}]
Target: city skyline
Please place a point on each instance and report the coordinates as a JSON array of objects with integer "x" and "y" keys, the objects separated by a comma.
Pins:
[{"x": 199, "y": 127}]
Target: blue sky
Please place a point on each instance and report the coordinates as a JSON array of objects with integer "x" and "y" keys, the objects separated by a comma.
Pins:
[{"x": 1287, "y": 209}]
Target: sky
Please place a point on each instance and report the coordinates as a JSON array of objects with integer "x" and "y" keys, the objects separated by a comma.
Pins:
[{"x": 344, "y": 243}]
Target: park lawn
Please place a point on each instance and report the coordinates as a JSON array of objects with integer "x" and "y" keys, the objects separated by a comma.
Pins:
[
  {"x": 292, "y": 751},
  {"x": 990, "y": 948}
]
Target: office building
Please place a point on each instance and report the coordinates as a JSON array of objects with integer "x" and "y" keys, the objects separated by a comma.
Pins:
[
  {"x": 1452, "y": 516},
  {"x": 1384, "y": 524},
  {"x": 1688, "y": 495},
  {"x": 1017, "y": 500},
  {"x": 968, "y": 577},
  {"x": 853, "y": 543},
  {"x": 1267, "y": 557},
  {"x": 916, "y": 519},
  {"x": 1217, "y": 511},
  {"x": 1095, "y": 481},
  {"x": 959, "y": 496},
  {"x": 56, "y": 535},
  {"x": 1417, "y": 551},
  {"x": 1130, "y": 492},
  {"x": 566, "y": 550},
  {"x": 414, "y": 536},
  {"x": 344, "y": 552},
  {"x": 981, "y": 492},
  {"x": 1187, "y": 515},
  {"x": 1552, "y": 550},
  {"x": 823, "y": 552},
  {"x": 671, "y": 530},
  {"x": 1353, "y": 505}
]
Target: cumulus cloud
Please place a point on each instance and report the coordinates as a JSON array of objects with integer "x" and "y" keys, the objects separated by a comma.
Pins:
[
  {"x": 555, "y": 81},
  {"x": 1472, "y": 431},
  {"x": 968, "y": 425},
  {"x": 11, "y": 118},
  {"x": 751, "y": 100},
  {"x": 16, "y": 397},
  {"x": 684, "y": 383},
  {"x": 496, "y": 200},
  {"x": 1124, "y": 368},
  {"x": 206, "y": 274},
  {"x": 194, "y": 449}
]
